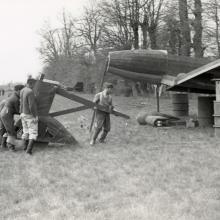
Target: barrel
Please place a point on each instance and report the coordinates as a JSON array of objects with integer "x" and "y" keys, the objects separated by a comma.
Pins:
[
  {"x": 217, "y": 108},
  {"x": 205, "y": 111},
  {"x": 180, "y": 103},
  {"x": 217, "y": 118}
]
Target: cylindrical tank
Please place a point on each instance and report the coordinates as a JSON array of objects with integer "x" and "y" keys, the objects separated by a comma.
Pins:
[{"x": 180, "y": 103}]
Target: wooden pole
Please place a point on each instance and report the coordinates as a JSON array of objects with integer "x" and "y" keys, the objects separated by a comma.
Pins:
[
  {"x": 68, "y": 111},
  {"x": 158, "y": 98}
]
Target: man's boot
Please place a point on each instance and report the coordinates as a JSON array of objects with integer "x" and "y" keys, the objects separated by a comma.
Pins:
[
  {"x": 24, "y": 144},
  {"x": 103, "y": 136},
  {"x": 30, "y": 147},
  {"x": 3, "y": 142},
  {"x": 11, "y": 147},
  {"x": 94, "y": 136}
]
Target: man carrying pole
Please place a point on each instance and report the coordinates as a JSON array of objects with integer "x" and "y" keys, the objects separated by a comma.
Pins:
[{"x": 102, "y": 119}]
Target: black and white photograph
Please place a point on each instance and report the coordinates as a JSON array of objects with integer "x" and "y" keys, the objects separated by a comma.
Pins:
[{"x": 110, "y": 110}]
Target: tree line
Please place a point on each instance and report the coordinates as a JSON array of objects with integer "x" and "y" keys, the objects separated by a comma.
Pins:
[{"x": 182, "y": 27}]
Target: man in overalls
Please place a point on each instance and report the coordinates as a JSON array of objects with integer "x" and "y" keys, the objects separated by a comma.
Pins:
[{"x": 102, "y": 120}]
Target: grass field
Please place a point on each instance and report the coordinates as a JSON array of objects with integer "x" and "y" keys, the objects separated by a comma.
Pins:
[{"x": 141, "y": 173}]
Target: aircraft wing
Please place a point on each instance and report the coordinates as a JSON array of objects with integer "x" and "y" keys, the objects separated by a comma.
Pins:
[{"x": 185, "y": 74}]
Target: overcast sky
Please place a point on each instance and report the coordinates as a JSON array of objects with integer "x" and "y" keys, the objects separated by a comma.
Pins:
[{"x": 19, "y": 21}]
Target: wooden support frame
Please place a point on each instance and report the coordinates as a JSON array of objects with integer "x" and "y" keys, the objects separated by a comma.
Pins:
[
  {"x": 88, "y": 103},
  {"x": 68, "y": 111},
  {"x": 50, "y": 129}
]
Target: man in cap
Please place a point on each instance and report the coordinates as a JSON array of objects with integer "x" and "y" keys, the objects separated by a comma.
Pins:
[
  {"x": 29, "y": 116},
  {"x": 102, "y": 120},
  {"x": 9, "y": 108}
]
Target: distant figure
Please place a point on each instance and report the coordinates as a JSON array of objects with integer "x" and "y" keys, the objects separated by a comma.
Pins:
[
  {"x": 79, "y": 87},
  {"x": 2, "y": 127},
  {"x": 3, "y": 92},
  {"x": 29, "y": 116},
  {"x": 9, "y": 108},
  {"x": 102, "y": 120}
]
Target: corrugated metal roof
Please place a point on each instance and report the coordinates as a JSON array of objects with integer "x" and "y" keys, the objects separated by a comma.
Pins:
[{"x": 198, "y": 80}]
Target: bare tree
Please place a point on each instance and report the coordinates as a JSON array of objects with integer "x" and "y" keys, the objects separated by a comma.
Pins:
[
  {"x": 68, "y": 35},
  {"x": 144, "y": 25},
  {"x": 91, "y": 26},
  {"x": 198, "y": 29},
  {"x": 50, "y": 48},
  {"x": 134, "y": 15},
  {"x": 58, "y": 42},
  {"x": 117, "y": 32},
  {"x": 151, "y": 12},
  {"x": 213, "y": 12},
  {"x": 171, "y": 36},
  {"x": 185, "y": 28}
]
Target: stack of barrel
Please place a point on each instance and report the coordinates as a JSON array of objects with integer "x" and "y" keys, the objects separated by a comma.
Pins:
[
  {"x": 180, "y": 103},
  {"x": 217, "y": 108}
]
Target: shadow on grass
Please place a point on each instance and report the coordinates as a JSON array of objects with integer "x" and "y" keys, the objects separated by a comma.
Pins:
[
  {"x": 48, "y": 147},
  {"x": 55, "y": 146}
]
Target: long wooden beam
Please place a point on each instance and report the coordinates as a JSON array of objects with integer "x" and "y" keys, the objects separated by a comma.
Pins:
[
  {"x": 68, "y": 111},
  {"x": 116, "y": 113},
  {"x": 88, "y": 103}
]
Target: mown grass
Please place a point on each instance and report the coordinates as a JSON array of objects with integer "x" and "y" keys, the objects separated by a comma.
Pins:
[{"x": 141, "y": 172}]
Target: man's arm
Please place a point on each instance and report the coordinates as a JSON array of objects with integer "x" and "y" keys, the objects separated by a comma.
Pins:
[
  {"x": 17, "y": 106},
  {"x": 111, "y": 107},
  {"x": 96, "y": 98},
  {"x": 2, "y": 103}
]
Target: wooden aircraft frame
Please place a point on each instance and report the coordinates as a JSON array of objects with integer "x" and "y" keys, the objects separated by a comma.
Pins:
[{"x": 49, "y": 129}]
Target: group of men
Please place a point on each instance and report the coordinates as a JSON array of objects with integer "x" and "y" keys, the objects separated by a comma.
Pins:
[{"x": 22, "y": 102}]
